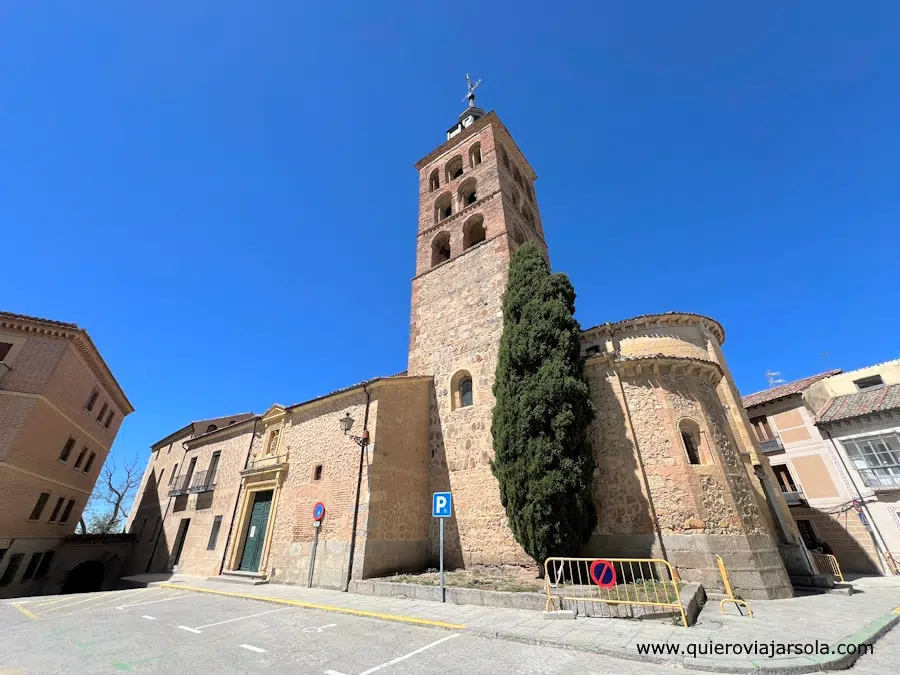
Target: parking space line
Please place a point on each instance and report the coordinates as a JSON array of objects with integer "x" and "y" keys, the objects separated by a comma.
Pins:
[
  {"x": 406, "y": 656},
  {"x": 153, "y": 602},
  {"x": 31, "y": 615},
  {"x": 93, "y": 598},
  {"x": 324, "y": 608},
  {"x": 258, "y": 650},
  {"x": 192, "y": 630},
  {"x": 113, "y": 598},
  {"x": 152, "y": 618},
  {"x": 240, "y": 618},
  {"x": 66, "y": 598},
  {"x": 333, "y": 672}
]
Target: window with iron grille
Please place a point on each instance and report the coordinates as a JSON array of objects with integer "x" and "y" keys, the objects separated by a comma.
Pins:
[
  {"x": 807, "y": 532},
  {"x": 877, "y": 458},
  {"x": 214, "y": 533}
]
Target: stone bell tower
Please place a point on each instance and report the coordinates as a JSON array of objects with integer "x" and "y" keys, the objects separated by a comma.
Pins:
[{"x": 476, "y": 206}]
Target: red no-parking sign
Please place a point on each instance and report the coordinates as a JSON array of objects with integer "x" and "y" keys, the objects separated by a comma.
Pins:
[{"x": 603, "y": 573}]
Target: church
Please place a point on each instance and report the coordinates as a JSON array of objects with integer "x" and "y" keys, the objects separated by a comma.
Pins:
[{"x": 679, "y": 475}]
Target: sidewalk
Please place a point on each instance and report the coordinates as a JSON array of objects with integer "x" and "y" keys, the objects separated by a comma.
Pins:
[{"x": 832, "y": 619}]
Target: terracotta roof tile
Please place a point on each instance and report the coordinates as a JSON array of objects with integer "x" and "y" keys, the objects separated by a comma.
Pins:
[
  {"x": 861, "y": 403},
  {"x": 784, "y": 390}
]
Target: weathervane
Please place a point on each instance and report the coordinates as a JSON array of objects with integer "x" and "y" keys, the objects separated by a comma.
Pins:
[{"x": 471, "y": 93}]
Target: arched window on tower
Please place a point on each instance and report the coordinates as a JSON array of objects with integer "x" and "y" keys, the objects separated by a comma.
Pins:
[
  {"x": 504, "y": 157},
  {"x": 515, "y": 196},
  {"x": 467, "y": 193},
  {"x": 443, "y": 207},
  {"x": 473, "y": 231},
  {"x": 691, "y": 438},
  {"x": 462, "y": 395},
  {"x": 435, "y": 181},
  {"x": 454, "y": 168},
  {"x": 475, "y": 155},
  {"x": 440, "y": 248},
  {"x": 518, "y": 177}
]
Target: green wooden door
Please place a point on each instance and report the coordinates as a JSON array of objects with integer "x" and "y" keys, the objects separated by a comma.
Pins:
[{"x": 256, "y": 531}]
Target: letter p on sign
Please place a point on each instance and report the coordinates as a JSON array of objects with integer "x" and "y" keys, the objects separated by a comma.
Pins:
[{"x": 441, "y": 505}]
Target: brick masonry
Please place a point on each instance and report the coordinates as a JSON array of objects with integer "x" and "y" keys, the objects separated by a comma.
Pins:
[{"x": 51, "y": 371}]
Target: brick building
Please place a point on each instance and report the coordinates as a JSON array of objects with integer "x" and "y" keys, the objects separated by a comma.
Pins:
[
  {"x": 60, "y": 411},
  {"x": 680, "y": 474}
]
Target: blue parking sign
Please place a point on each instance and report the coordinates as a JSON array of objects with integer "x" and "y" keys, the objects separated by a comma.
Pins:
[{"x": 441, "y": 505}]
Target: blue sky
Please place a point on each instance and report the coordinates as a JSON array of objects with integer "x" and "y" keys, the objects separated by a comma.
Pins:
[{"x": 223, "y": 193}]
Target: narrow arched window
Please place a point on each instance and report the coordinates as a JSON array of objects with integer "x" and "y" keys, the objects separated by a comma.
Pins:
[
  {"x": 467, "y": 193},
  {"x": 443, "y": 207},
  {"x": 435, "y": 181},
  {"x": 465, "y": 392},
  {"x": 475, "y": 155},
  {"x": 461, "y": 395},
  {"x": 454, "y": 168},
  {"x": 518, "y": 237},
  {"x": 473, "y": 231},
  {"x": 504, "y": 157},
  {"x": 690, "y": 438},
  {"x": 440, "y": 248}
]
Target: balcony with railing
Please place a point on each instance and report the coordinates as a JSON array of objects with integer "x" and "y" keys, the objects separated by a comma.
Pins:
[
  {"x": 884, "y": 478},
  {"x": 794, "y": 497},
  {"x": 771, "y": 445},
  {"x": 203, "y": 481},
  {"x": 180, "y": 485}
]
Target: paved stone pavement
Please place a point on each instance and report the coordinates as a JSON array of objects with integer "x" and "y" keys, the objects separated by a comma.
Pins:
[
  {"x": 886, "y": 658},
  {"x": 804, "y": 620}
]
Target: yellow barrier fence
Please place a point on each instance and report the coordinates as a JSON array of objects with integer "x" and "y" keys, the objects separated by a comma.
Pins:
[
  {"x": 731, "y": 596},
  {"x": 642, "y": 582},
  {"x": 827, "y": 564}
]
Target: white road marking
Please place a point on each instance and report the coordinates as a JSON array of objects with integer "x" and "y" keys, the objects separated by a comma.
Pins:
[
  {"x": 333, "y": 672},
  {"x": 318, "y": 629},
  {"x": 152, "y": 618},
  {"x": 192, "y": 630},
  {"x": 406, "y": 656},
  {"x": 240, "y": 618},
  {"x": 258, "y": 650},
  {"x": 150, "y": 602}
]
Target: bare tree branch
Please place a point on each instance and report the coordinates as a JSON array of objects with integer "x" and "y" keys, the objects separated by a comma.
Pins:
[{"x": 114, "y": 492}]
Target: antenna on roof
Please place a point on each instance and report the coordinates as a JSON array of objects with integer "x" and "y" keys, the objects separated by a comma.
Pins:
[{"x": 772, "y": 375}]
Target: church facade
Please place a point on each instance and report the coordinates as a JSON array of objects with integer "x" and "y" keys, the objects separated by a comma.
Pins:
[{"x": 679, "y": 475}]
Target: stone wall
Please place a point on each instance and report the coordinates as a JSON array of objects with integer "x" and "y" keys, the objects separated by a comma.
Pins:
[
  {"x": 399, "y": 501},
  {"x": 660, "y": 504}
]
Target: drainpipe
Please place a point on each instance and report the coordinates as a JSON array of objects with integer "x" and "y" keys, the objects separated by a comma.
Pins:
[
  {"x": 162, "y": 522},
  {"x": 237, "y": 499},
  {"x": 362, "y": 449},
  {"x": 872, "y": 532}
]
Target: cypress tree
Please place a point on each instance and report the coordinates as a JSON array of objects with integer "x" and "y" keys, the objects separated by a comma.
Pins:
[{"x": 542, "y": 458}]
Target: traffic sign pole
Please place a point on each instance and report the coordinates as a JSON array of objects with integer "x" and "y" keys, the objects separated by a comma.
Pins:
[{"x": 441, "y": 508}]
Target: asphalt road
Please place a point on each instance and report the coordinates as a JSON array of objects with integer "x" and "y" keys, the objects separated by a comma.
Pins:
[{"x": 156, "y": 630}]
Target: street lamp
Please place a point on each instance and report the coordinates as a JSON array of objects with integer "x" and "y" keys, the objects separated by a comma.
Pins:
[{"x": 346, "y": 423}]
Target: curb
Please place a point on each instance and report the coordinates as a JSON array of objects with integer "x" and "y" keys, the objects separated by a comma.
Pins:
[
  {"x": 325, "y": 608},
  {"x": 868, "y": 634}
]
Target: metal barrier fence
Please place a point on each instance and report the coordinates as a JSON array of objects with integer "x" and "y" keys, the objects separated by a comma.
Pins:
[
  {"x": 827, "y": 564},
  {"x": 643, "y": 582},
  {"x": 731, "y": 596}
]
